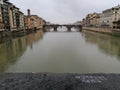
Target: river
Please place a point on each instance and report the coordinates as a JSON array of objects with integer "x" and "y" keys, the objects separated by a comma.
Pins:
[{"x": 60, "y": 52}]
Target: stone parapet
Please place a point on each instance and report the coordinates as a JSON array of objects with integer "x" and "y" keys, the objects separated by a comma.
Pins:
[{"x": 50, "y": 81}]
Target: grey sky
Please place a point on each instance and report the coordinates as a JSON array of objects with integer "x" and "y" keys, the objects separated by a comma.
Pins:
[{"x": 64, "y": 11}]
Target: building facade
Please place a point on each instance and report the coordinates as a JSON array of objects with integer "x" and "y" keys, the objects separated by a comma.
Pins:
[
  {"x": 110, "y": 16},
  {"x": 11, "y": 18},
  {"x": 95, "y": 20},
  {"x": 22, "y": 21},
  {"x": 5, "y": 15},
  {"x": 33, "y": 21},
  {"x": 88, "y": 19},
  {"x": 1, "y": 18},
  {"x": 92, "y": 19}
]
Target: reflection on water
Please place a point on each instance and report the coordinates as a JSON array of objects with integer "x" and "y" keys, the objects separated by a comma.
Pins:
[
  {"x": 13, "y": 48},
  {"x": 108, "y": 44},
  {"x": 66, "y": 52}
]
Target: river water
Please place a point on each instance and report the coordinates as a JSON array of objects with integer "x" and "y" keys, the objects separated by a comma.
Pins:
[{"x": 61, "y": 52}]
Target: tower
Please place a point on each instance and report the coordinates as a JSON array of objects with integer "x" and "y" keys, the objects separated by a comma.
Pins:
[{"x": 28, "y": 11}]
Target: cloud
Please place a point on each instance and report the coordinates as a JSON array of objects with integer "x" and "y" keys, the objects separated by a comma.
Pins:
[{"x": 64, "y": 11}]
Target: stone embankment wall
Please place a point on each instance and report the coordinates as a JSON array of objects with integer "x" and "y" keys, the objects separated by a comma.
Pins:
[{"x": 109, "y": 31}]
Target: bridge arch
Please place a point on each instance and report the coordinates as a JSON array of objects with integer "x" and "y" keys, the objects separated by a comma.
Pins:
[{"x": 68, "y": 26}]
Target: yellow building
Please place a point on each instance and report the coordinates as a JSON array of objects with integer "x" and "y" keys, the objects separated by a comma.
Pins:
[{"x": 33, "y": 21}]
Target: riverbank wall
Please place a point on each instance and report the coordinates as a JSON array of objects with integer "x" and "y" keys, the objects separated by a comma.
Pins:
[
  {"x": 109, "y": 31},
  {"x": 17, "y": 32}
]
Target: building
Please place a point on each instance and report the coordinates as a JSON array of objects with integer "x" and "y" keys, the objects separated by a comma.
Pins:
[
  {"x": 1, "y": 18},
  {"x": 92, "y": 19},
  {"x": 110, "y": 17},
  {"x": 22, "y": 21},
  {"x": 10, "y": 15},
  {"x": 16, "y": 18},
  {"x": 11, "y": 18},
  {"x": 84, "y": 22},
  {"x": 5, "y": 15},
  {"x": 33, "y": 21},
  {"x": 88, "y": 19},
  {"x": 78, "y": 23},
  {"x": 95, "y": 20}
]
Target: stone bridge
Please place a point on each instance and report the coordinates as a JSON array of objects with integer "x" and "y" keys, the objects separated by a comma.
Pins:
[{"x": 56, "y": 26}]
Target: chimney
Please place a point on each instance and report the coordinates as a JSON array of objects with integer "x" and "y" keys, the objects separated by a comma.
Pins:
[{"x": 28, "y": 11}]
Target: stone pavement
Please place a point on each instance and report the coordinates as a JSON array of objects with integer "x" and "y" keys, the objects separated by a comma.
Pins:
[{"x": 50, "y": 81}]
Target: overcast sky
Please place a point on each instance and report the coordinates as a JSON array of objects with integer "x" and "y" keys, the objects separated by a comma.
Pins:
[{"x": 64, "y": 11}]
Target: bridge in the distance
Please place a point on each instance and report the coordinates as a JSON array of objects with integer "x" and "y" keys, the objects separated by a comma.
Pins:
[{"x": 56, "y": 26}]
